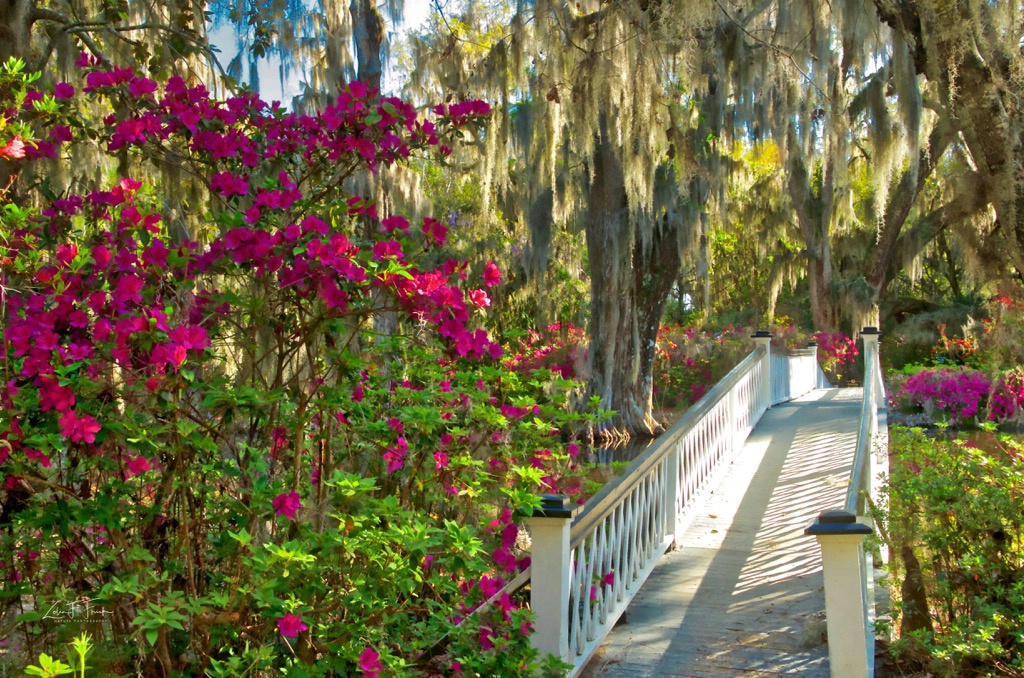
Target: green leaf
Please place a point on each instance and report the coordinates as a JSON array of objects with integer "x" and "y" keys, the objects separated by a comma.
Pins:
[
  {"x": 48, "y": 666},
  {"x": 242, "y": 536}
]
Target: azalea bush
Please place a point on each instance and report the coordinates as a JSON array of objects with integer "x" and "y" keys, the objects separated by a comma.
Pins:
[
  {"x": 688, "y": 362},
  {"x": 837, "y": 354},
  {"x": 202, "y": 434},
  {"x": 560, "y": 348},
  {"x": 954, "y": 396},
  {"x": 969, "y": 379},
  {"x": 951, "y": 514},
  {"x": 1006, "y": 403}
]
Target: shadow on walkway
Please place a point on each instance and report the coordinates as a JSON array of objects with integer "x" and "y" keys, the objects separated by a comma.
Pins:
[{"x": 742, "y": 593}]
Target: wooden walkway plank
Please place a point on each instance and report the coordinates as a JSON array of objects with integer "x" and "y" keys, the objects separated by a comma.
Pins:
[{"x": 742, "y": 593}]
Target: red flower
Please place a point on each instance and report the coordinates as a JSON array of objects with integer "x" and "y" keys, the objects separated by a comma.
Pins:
[
  {"x": 369, "y": 663},
  {"x": 479, "y": 298},
  {"x": 291, "y": 625},
  {"x": 15, "y": 148},
  {"x": 492, "y": 276},
  {"x": 286, "y": 504},
  {"x": 79, "y": 428}
]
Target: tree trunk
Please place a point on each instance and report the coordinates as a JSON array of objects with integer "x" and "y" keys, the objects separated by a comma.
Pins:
[
  {"x": 15, "y": 28},
  {"x": 368, "y": 35},
  {"x": 630, "y": 280},
  {"x": 814, "y": 224},
  {"x": 980, "y": 93},
  {"x": 823, "y": 315}
]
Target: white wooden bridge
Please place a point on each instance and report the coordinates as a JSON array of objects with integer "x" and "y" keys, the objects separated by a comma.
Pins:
[{"x": 732, "y": 547}]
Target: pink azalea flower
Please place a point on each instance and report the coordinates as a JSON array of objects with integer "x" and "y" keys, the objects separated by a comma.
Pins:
[
  {"x": 77, "y": 428},
  {"x": 137, "y": 465},
  {"x": 486, "y": 634},
  {"x": 479, "y": 298},
  {"x": 63, "y": 90},
  {"x": 291, "y": 625},
  {"x": 15, "y": 148},
  {"x": 492, "y": 276},
  {"x": 396, "y": 222},
  {"x": 369, "y": 663},
  {"x": 44, "y": 460},
  {"x": 286, "y": 504}
]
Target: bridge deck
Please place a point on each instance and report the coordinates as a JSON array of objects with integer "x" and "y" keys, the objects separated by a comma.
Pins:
[{"x": 742, "y": 593}]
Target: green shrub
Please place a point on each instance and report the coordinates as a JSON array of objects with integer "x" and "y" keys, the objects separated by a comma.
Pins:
[{"x": 951, "y": 513}]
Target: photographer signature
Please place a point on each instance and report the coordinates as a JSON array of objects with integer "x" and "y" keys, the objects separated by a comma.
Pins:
[{"x": 77, "y": 609}]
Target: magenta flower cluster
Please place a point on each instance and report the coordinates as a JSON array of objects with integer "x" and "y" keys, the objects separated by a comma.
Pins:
[
  {"x": 125, "y": 391},
  {"x": 1007, "y": 399},
  {"x": 958, "y": 395}
]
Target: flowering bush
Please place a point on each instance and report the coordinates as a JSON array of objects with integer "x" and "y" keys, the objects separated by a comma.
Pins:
[
  {"x": 950, "y": 515},
  {"x": 688, "y": 362},
  {"x": 955, "y": 350},
  {"x": 837, "y": 354},
  {"x": 1006, "y": 403},
  {"x": 955, "y": 396},
  {"x": 559, "y": 349},
  {"x": 202, "y": 436}
]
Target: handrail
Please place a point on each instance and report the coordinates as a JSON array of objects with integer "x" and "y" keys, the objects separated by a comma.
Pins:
[
  {"x": 608, "y": 497},
  {"x": 873, "y": 400},
  {"x": 847, "y": 564}
]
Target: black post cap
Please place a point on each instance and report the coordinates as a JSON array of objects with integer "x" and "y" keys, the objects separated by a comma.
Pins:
[
  {"x": 837, "y": 522},
  {"x": 870, "y": 329},
  {"x": 812, "y": 344},
  {"x": 761, "y": 334},
  {"x": 556, "y": 506}
]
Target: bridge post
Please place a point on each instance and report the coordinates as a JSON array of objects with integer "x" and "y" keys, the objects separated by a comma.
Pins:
[
  {"x": 870, "y": 336},
  {"x": 550, "y": 574},
  {"x": 851, "y": 636},
  {"x": 764, "y": 338},
  {"x": 811, "y": 371}
]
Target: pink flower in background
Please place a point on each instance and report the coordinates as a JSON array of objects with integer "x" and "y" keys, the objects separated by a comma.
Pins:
[
  {"x": 369, "y": 663},
  {"x": 77, "y": 428},
  {"x": 136, "y": 466},
  {"x": 15, "y": 148},
  {"x": 492, "y": 276},
  {"x": 486, "y": 635},
  {"x": 44, "y": 460},
  {"x": 399, "y": 223},
  {"x": 441, "y": 460},
  {"x": 479, "y": 298},
  {"x": 286, "y": 504},
  {"x": 291, "y": 625},
  {"x": 395, "y": 456}
]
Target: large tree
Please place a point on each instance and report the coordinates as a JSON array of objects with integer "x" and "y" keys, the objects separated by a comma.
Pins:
[
  {"x": 614, "y": 117},
  {"x": 970, "y": 52},
  {"x": 607, "y": 122}
]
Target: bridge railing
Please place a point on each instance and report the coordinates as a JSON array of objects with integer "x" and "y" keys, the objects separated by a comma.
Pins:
[
  {"x": 848, "y": 566},
  {"x": 589, "y": 562},
  {"x": 795, "y": 373}
]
